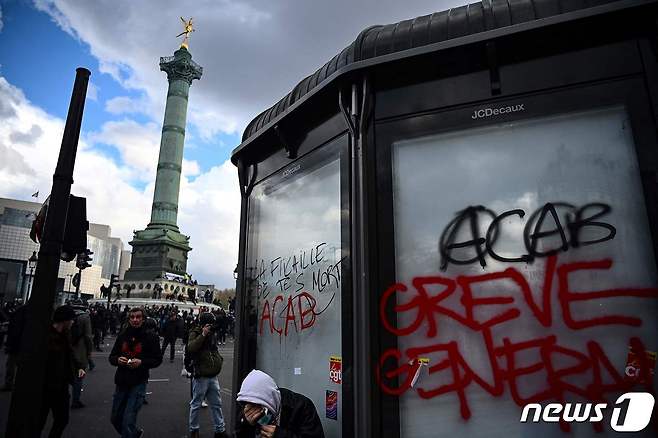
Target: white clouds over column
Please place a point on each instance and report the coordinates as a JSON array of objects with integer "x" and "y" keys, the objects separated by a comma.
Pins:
[{"x": 29, "y": 146}]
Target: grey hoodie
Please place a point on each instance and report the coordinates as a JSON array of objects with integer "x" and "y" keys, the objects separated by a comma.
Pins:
[{"x": 259, "y": 388}]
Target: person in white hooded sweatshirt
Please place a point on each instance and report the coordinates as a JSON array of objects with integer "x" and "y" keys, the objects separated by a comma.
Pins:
[{"x": 272, "y": 412}]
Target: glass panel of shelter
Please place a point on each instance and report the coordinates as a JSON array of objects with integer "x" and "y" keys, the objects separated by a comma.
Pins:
[
  {"x": 524, "y": 273},
  {"x": 293, "y": 279}
]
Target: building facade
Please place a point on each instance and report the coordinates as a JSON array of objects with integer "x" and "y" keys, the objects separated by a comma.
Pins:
[{"x": 16, "y": 248}]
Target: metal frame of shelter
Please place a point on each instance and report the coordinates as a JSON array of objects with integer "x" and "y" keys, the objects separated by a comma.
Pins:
[{"x": 427, "y": 76}]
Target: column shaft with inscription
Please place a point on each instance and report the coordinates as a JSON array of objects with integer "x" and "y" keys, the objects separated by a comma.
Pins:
[{"x": 161, "y": 248}]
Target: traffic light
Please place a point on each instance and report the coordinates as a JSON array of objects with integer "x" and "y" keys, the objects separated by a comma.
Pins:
[
  {"x": 113, "y": 281},
  {"x": 83, "y": 259},
  {"x": 75, "y": 234}
]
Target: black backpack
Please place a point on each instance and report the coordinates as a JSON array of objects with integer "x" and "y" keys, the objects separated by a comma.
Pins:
[{"x": 188, "y": 360}]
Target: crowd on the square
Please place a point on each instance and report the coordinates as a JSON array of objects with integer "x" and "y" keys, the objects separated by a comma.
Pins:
[{"x": 141, "y": 337}]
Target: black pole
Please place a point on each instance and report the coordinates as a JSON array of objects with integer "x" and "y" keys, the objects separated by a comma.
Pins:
[
  {"x": 26, "y": 400},
  {"x": 77, "y": 286},
  {"x": 29, "y": 285}
]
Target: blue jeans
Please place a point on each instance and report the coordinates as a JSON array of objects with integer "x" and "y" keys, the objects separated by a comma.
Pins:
[
  {"x": 208, "y": 388},
  {"x": 126, "y": 403}
]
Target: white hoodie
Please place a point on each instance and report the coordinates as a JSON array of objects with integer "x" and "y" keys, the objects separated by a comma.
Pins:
[{"x": 259, "y": 388}]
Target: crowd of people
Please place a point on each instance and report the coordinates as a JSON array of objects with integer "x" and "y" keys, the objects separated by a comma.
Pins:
[
  {"x": 106, "y": 321},
  {"x": 76, "y": 330}
]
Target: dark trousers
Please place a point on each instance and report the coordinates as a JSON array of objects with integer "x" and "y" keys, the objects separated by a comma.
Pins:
[
  {"x": 97, "y": 338},
  {"x": 172, "y": 343},
  {"x": 76, "y": 389},
  {"x": 126, "y": 404},
  {"x": 10, "y": 369},
  {"x": 222, "y": 336},
  {"x": 56, "y": 401}
]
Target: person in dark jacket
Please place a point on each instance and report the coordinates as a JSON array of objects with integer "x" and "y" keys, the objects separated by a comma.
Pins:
[
  {"x": 13, "y": 344},
  {"x": 135, "y": 351},
  {"x": 61, "y": 369},
  {"x": 271, "y": 411},
  {"x": 170, "y": 331},
  {"x": 81, "y": 341},
  {"x": 221, "y": 326},
  {"x": 207, "y": 364}
]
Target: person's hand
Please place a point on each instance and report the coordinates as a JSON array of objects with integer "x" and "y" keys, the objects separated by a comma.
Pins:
[
  {"x": 123, "y": 360},
  {"x": 134, "y": 363},
  {"x": 267, "y": 431},
  {"x": 252, "y": 413},
  {"x": 81, "y": 373},
  {"x": 206, "y": 330}
]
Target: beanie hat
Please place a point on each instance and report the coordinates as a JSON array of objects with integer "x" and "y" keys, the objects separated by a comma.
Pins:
[
  {"x": 64, "y": 313},
  {"x": 259, "y": 388}
]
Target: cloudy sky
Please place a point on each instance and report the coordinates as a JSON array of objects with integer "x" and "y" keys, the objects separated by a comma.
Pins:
[{"x": 253, "y": 53}]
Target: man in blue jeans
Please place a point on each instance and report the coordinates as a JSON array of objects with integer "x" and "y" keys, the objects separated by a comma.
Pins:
[
  {"x": 135, "y": 351},
  {"x": 206, "y": 364}
]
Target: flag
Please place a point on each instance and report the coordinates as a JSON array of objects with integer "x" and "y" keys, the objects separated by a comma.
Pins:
[{"x": 35, "y": 194}]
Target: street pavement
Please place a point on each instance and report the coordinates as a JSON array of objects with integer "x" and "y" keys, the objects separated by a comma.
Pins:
[{"x": 168, "y": 396}]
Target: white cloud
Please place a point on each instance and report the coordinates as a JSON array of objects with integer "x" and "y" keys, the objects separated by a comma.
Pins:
[
  {"x": 210, "y": 204},
  {"x": 92, "y": 91},
  {"x": 253, "y": 52},
  {"x": 210, "y": 213},
  {"x": 138, "y": 144},
  {"x": 126, "y": 105},
  {"x": 190, "y": 168}
]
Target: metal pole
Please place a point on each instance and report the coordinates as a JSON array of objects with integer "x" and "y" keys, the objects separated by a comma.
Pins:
[
  {"x": 29, "y": 284},
  {"x": 26, "y": 400},
  {"x": 77, "y": 286}
]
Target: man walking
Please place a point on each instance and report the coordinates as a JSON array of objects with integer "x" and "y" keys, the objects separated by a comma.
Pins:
[
  {"x": 13, "y": 344},
  {"x": 61, "y": 367},
  {"x": 206, "y": 363},
  {"x": 170, "y": 331},
  {"x": 81, "y": 341},
  {"x": 135, "y": 352}
]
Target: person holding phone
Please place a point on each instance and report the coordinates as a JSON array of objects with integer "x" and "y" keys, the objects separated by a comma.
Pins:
[
  {"x": 206, "y": 364},
  {"x": 269, "y": 411}
]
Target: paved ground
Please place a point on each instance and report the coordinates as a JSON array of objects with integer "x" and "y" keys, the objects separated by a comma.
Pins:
[{"x": 168, "y": 396}]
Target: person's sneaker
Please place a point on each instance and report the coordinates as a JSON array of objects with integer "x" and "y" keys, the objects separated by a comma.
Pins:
[
  {"x": 194, "y": 433},
  {"x": 140, "y": 432},
  {"x": 204, "y": 404},
  {"x": 222, "y": 435},
  {"x": 77, "y": 405}
]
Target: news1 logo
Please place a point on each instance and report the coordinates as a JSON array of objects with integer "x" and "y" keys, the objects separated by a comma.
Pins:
[{"x": 630, "y": 413}]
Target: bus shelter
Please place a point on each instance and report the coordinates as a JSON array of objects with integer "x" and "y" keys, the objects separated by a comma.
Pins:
[{"x": 452, "y": 224}]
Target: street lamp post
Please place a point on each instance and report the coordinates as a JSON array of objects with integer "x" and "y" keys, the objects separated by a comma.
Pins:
[{"x": 32, "y": 263}]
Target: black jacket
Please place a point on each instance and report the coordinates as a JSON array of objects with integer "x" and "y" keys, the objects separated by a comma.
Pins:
[
  {"x": 15, "y": 331},
  {"x": 135, "y": 344},
  {"x": 61, "y": 365},
  {"x": 299, "y": 419},
  {"x": 171, "y": 329}
]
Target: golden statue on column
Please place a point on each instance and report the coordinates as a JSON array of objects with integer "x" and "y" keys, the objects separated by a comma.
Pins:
[{"x": 188, "y": 29}]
